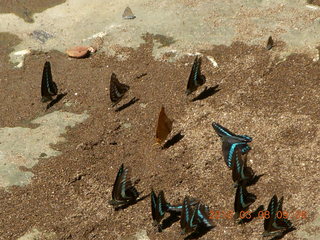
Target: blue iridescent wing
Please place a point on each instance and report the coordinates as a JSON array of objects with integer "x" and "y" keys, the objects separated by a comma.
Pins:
[
  {"x": 275, "y": 224},
  {"x": 153, "y": 197},
  {"x": 240, "y": 171},
  {"x": 229, "y": 150},
  {"x": 123, "y": 190},
  {"x": 188, "y": 217},
  {"x": 224, "y": 132},
  {"x": 203, "y": 216},
  {"x": 230, "y": 142},
  {"x": 178, "y": 208},
  {"x": 196, "y": 79}
]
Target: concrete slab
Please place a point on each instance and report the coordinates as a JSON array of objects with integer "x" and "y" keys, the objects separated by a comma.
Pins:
[
  {"x": 23, "y": 147},
  {"x": 190, "y": 25}
]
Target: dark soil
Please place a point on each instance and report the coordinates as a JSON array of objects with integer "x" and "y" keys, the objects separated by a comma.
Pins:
[{"x": 274, "y": 101}]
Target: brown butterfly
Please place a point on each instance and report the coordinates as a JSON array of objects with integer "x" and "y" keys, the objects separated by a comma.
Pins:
[
  {"x": 164, "y": 126},
  {"x": 117, "y": 89},
  {"x": 269, "y": 43}
]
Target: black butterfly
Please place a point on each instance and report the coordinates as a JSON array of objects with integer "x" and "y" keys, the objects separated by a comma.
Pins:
[
  {"x": 192, "y": 219},
  {"x": 123, "y": 193},
  {"x": 276, "y": 224},
  {"x": 241, "y": 173},
  {"x": 269, "y": 43},
  {"x": 48, "y": 86},
  {"x": 230, "y": 142},
  {"x": 117, "y": 89},
  {"x": 158, "y": 208},
  {"x": 242, "y": 200},
  {"x": 196, "y": 79}
]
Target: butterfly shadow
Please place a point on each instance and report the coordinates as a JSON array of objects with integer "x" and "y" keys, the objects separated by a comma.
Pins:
[
  {"x": 254, "y": 180},
  {"x": 207, "y": 92},
  {"x": 253, "y": 215},
  {"x": 175, "y": 139},
  {"x": 200, "y": 231},
  {"x": 124, "y": 206},
  {"x": 128, "y": 104},
  {"x": 249, "y": 182},
  {"x": 169, "y": 221},
  {"x": 56, "y": 100},
  {"x": 280, "y": 235}
]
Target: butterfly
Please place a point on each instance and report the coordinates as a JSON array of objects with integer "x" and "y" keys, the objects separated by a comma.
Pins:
[
  {"x": 241, "y": 173},
  {"x": 242, "y": 200},
  {"x": 196, "y": 79},
  {"x": 269, "y": 43},
  {"x": 192, "y": 219},
  {"x": 158, "y": 207},
  {"x": 123, "y": 192},
  {"x": 128, "y": 14},
  {"x": 48, "y": 86},
  {"x": 188, "y": 221},
  {"x": 164, "y": 126},
  {"x": 117, "y": 89},
  {"x": 274, "y": 224},
  {"x": 230, "y": 142}
]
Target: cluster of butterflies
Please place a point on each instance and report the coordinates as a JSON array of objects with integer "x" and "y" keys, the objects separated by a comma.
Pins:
[
  {"x": 233, "y": 148},
  {"x": 194, "y": 216}
]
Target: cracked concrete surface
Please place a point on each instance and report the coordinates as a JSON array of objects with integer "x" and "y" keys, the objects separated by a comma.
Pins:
[
  {"x": 192, "y": 25},
  {"x": 23, "y": 147}
]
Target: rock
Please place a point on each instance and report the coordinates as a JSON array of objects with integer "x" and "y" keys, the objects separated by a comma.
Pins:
[{"x": 79, "y": 51}]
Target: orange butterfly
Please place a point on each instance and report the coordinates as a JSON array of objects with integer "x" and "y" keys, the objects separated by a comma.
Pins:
[{"x": 164, "y": 126}]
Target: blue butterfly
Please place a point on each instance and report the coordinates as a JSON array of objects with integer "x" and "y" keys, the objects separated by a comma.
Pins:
[
  {"x": 158, "y": 208},
  {"x": 192, "y": 219},
  {"x": 196, "y": 79},
  {"x": 243, "y": 200},
  {"x": 230, "y": 142},
  {"x": 48, "y": 86},
  {"x": 241, "y": 173},
  {"x": 275, "y": 224},
  {"x": 123, "y": 192}
]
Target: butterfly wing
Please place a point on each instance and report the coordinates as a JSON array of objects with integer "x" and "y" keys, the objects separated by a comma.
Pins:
[
  {"x": 243, "y": 199},
  {"x": 116, "y": 191},
  {"x": 128, "y": 14},
  {"x": 203, "y": 216},
  {"x": 224, "y": 132},
  {"x": 162, "y": 205},
  {"x": 117, "y": 89},
  {"x": 123, "y": 190},
  {"x": 240, "y": 171},
  {"x": 272, "y": 208},
  {"x": 48, "y": 86},
  {"x": 269, "y": 43},
  {"x": 281, "y": 223},
  {"x": 153, "y": 205},
  {"x": 164, "y": 126},
  {"x": 196, "y": 79}
]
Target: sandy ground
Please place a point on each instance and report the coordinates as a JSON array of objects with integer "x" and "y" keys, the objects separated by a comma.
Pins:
[{"x": 58, "y": 165}]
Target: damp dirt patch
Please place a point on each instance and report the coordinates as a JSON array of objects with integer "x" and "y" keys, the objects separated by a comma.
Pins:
[
  {"x": 7, "y": 42},
  {"x": 275, "y": 102},
  {"x": 26, "y": 8}
]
